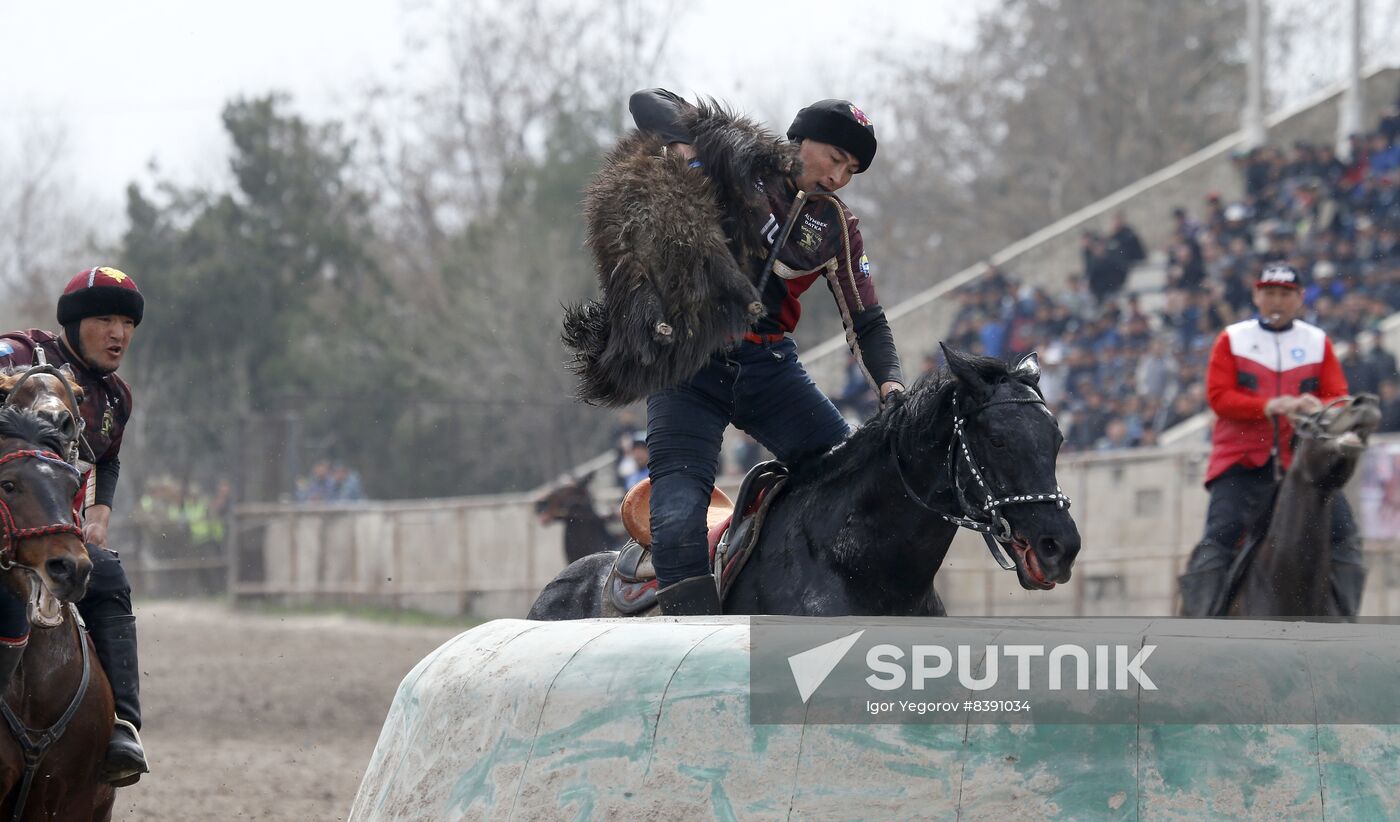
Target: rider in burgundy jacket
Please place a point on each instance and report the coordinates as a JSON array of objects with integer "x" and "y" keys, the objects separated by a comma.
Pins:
[{"x": 98, "y": 311}]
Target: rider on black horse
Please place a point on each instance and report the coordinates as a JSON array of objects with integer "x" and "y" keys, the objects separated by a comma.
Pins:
[
  {"x": 1261, "y": 371},
  {"x": 758, "y": 383},
  {"x": 98, "y": 312}
]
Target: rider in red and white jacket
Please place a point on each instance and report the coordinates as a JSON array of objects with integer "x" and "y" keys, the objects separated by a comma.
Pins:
[{"x": 1262, "y": 370}]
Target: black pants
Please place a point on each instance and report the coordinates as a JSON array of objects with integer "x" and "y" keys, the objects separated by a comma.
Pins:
[
  {"x": 109, "y": 591},
  {"x": 761, "y": 388},
  {"x": 1237, "y": 499}
]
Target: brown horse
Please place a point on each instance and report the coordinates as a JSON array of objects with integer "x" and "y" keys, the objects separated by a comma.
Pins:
[
  {"x": 585, "y": 530},
  {"x": 1288, "y": 571},
  {"x": 58, "y": 705},
  {"x": 53, "y": 394}
]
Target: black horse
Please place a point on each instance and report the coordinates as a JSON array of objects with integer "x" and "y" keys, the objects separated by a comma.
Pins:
[
  {"x": 863, "y": 529},
  {"x": 1288, "y": 569},
  {"x": 585, "y": 530}
]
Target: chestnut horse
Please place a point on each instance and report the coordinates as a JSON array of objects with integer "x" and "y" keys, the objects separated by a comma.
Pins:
[
  {"x": 58, "y": 705},
  {"x": 585, "y": 530},
  {"x": 53, "y": 394}
]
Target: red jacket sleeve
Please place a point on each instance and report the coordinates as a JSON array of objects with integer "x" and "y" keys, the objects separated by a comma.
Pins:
[
  {"x": 1223, "y": 389},
  {"x": 1333, "y": 381}
]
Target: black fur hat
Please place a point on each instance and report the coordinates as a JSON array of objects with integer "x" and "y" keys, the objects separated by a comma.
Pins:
[{"x": 839, "y": 123}]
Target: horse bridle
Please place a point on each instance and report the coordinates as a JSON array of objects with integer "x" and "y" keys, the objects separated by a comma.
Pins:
[
  {"x": 44, "y": 368},
  {"x": 1310, "y": 427},
  {"x": 10, "y": 532},
  {"x": 985, "y": 518}
]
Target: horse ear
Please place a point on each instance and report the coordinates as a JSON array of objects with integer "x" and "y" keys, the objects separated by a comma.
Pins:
[
  {"x": 1028, "y": 368},
  {"x": 965, "y": 372}
]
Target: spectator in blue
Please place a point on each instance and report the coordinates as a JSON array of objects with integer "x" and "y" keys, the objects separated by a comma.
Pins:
[
  {"x": 318, "y": 487},
  {"x": 345, "y": 484},
  {"x": 1384, "y": 158},
  {"x": 639, "y": 457},
  {"x": 857, "y": 397}
]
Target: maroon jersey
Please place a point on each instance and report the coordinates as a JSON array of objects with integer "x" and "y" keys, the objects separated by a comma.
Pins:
[
  {"x": 816, "y": 248},
  {"x": 105, "y": 411}
]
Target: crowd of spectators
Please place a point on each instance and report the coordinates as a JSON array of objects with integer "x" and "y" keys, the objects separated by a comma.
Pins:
[{"x": 1118, "y": 375}]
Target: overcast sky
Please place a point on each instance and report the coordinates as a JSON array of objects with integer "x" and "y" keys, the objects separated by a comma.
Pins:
[{"x": 128, "y": 82}]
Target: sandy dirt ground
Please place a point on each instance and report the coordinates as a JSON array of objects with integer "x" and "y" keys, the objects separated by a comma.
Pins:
[{"x": 257, "y": 716}]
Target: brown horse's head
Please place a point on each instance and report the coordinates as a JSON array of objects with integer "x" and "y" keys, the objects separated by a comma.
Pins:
[
  {"x": 571, "y": 500},
  {"x": 52, "y": 393},
  {"x": 1330, "y": 442},
  {"x": 38, "y": 534}
]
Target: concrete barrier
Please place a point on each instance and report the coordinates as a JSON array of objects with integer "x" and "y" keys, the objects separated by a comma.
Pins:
[{"x": 649, "y": 720}]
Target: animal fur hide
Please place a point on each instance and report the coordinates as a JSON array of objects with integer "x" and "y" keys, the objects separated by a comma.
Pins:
[{"x": 675, "y": 248}]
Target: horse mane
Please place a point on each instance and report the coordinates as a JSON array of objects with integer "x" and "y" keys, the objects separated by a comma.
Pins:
[
  {"x": 23, "y": 424},
  {"x": 926, "y": 405}
]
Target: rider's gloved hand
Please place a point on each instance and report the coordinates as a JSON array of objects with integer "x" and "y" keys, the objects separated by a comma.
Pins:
[
  {"x": 1280, "y": 406},
  {"x": 1307, "y": 404}
]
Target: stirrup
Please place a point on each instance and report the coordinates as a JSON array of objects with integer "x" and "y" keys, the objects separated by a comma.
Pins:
[{"x": 127, "y": 776}]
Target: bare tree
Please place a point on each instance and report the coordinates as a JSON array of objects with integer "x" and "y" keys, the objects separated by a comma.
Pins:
[
  {"x": 1054, "y": 106},
  {"x": 480, "y": 158},
  {"x": 46, "y": 229}
]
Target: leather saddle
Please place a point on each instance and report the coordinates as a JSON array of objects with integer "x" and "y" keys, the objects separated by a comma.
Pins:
[{"x": 631, "y": 585}]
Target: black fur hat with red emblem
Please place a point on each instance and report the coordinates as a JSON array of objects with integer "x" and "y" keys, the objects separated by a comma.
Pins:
[
  {"x": 98, "y": 292},
  {"x": 839, "y": 123}
]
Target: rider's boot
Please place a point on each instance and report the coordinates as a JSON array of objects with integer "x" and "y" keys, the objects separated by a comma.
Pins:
[
  {"x": 1348, "y": 577},
  {"x": 115, "y": 640},
  {"x": 696, "y": 596},
  {"x": 1203, "y": 584},
  {"x": 107, "y": 612}
]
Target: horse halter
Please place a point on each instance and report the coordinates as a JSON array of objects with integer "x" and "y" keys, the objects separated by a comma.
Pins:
[
  {"x": 985, "y": 518},
  {"x": 10, "y": 532},
  {"x": 1309, "y": 426},
  {"x": 45, "y": 368}
]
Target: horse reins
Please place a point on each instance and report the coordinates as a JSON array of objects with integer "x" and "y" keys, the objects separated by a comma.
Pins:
[
  {"x": 10, "y": 532},
  {"x": 1307, "y": 426},
  {"x": 986, "y": 518}
]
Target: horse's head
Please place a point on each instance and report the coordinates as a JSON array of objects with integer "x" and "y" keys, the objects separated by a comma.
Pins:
[
  {"x": 1005, "y": 463},
  {"x": 37, "y": 492},
  {"x": 1330, "y": 442},
  {"x": 567, "y": 501},
  {"x": 52, "y": 393}
]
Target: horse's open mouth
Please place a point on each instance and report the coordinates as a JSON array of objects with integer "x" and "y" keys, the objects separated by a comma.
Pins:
[
  {"x": 1030, "y": 564},
  {"x": 45, "y": 609},
  {"x": 1355, "y": 440}
]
